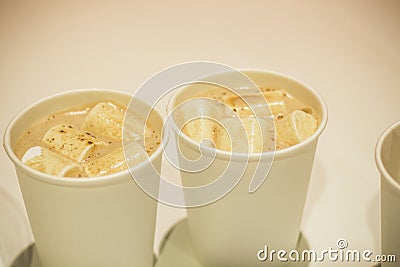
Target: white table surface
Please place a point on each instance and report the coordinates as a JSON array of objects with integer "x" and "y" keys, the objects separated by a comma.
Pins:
[{"x": 349, "y": 51}]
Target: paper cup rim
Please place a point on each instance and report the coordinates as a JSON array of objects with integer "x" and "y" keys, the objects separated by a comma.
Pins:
[
  {"x": 277, "y": 154},
  {"x": 378, "y": 156},
  {"x": 66, "y": 181}
]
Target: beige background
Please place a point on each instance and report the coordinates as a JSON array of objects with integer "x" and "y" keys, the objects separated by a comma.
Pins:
[{"x": 349, "y": 51}]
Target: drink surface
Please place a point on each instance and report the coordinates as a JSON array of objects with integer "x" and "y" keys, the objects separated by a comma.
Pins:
[
  {"x": 294, "y": 121},
  {"x": 86, "y": 141}
]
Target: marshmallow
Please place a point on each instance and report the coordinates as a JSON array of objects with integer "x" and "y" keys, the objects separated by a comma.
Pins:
[
  {"x": 70, "y": 142},
  {"x": 295, "y": 127},
  {"x": 47, "y": 161},
  {"x": 115, "y": 161}
]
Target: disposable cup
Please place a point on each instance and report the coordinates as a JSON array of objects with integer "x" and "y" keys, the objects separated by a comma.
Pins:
[
  {"x": 97, "y": 221},
  {"x": 387, "y": 156},
  {"x": 235, "y": 229}
]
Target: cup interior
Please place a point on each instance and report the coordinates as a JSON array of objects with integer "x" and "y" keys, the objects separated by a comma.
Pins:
[
  {"x": 261, "y": 78},
  {"x": 65, "y": 101}
]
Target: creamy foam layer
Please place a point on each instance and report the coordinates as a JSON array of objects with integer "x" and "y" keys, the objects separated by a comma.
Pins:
[
  {"x": 86, "y": 136},
  {"x": 294, "y": 120}
]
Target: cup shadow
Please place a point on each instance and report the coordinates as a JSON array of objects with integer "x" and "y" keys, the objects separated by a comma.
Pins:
[
  {"x": 302, "y": 244},
  {"x": 30, "y": 258},
  {"x": 176, "y": 250},
  {"x": 26, "y": 258}
]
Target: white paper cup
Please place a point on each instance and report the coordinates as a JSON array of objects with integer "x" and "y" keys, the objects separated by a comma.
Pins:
[
  {"x": 387, "y": 156},
  {"x": 89, "y": 222},
  {"x": 232, "y": 230}
]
